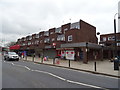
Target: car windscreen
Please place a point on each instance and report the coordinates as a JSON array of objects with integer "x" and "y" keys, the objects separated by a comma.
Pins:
[{"x": 11, "y": 53}]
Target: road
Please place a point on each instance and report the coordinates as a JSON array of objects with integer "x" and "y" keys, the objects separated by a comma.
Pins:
[{"x": 22, "y": 74}]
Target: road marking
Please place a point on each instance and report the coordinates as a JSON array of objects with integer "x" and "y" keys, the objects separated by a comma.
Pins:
[
  {"x": 27, "y": 67},
  {"x": 83, "y": 84},
  {"x": 13, "y": 64},
  {"x": 56, "y": 76},
  {"x": 50, "y": 74}
]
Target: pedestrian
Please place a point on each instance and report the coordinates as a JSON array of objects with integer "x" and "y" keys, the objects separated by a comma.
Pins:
[
  {"x": 22, "y": 54},
  {"x": 47, "y": 58}
]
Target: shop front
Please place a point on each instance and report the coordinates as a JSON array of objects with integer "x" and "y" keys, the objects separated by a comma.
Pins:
[{"x": 81, "y": 51}]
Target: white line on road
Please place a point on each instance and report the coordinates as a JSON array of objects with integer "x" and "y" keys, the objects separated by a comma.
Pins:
[
  {"x": 13, "y": 64},
  {"x": 56, "y": 76},
  {"x": 83, "y": 84},
  {"x": 27, "y": 67}
]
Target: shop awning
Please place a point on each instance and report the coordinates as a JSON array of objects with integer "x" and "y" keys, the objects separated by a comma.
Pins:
[
  {"x": 14, "y": 47},
  {"x": 82, "y": 44}
]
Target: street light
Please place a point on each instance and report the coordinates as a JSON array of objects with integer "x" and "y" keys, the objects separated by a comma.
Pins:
[
  {"x": 87, "y": 52},
  {"x": 115, "y": 42}
]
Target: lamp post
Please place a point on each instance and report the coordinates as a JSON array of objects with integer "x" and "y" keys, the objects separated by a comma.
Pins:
[
  {"x": 115, "y": 42},
  {"x": 87, "y": 52}
]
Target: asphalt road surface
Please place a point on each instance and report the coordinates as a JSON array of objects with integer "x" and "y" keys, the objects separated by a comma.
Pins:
[{"x": 22, "y": 74}]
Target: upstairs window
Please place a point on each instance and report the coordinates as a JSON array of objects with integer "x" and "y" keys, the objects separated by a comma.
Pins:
[
  {"x": 51, "y": 32},
  {"x": 75, "y": 25},
  {"x": 65, "y": 30},
  {"x": 41, "y": 41},
  {"x": 104, "y": 38},
  {"x": 58, "y": 30},
  {"x": 47, "y": 40},
  {"x": 111, "y": 38},
  {"x": 41, "y": 35},
  {"x": 24, "y": 39},
  {"x": 46, "y": 33},
  {"x": 23, "y": 44},
  {"x": 37, "y": 42},
  {"x": 37, "y": 35},
  {"x": 53, "y": 39},
  {"x": 70, "y": 38},
  {"x": 30, "y": 38},
  {"x": 61, "y": 38},
  {"x": 29, "y": 43}
]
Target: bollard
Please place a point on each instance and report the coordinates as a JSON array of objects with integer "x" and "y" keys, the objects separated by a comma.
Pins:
[
  {"x": 95, "y": 65},
  {"x": 53, "y": 60},
  {"x": 116, "y": 65},
  {"x": 26, "y": 58},
  {"x": 33, "y": 58},
  {"x": 42, "y": 60},
  {"x": 69, "y": 63}
]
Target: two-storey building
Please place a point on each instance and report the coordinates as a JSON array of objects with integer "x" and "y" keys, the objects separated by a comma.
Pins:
[{"x": 108, "y": 43}]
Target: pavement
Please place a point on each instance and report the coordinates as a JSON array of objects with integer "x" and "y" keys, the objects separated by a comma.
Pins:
[{"x": 104, "y": 67}]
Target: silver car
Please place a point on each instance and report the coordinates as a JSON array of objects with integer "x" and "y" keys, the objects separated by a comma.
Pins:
[{"x": 11, "y": 56}]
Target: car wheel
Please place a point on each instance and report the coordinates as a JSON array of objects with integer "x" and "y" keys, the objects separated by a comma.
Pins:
[{"x": 17, "y": 59}]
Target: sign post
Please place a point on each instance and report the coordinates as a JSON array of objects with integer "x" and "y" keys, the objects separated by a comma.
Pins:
[{"x": 70, "y": 55}]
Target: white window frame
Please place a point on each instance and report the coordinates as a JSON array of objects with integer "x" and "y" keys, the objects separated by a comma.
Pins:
[{"x": 70, "y": 38}]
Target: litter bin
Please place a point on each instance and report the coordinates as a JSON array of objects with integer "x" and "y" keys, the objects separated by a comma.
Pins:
[{"x": 116, "y": 64}]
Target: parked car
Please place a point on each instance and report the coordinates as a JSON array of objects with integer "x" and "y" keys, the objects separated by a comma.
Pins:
[{"x": 11, "y": 56}]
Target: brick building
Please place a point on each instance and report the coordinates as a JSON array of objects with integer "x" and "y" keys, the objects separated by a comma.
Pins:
[
  {"x": 75, "y": 41},
  {"x": 108, "y": 43}
]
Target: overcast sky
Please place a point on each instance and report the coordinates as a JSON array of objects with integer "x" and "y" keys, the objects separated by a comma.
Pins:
[{"x": 25, "y": 17}]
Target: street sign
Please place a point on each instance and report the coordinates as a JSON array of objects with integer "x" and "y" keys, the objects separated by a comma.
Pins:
[{"x": 70, "y": 54}]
